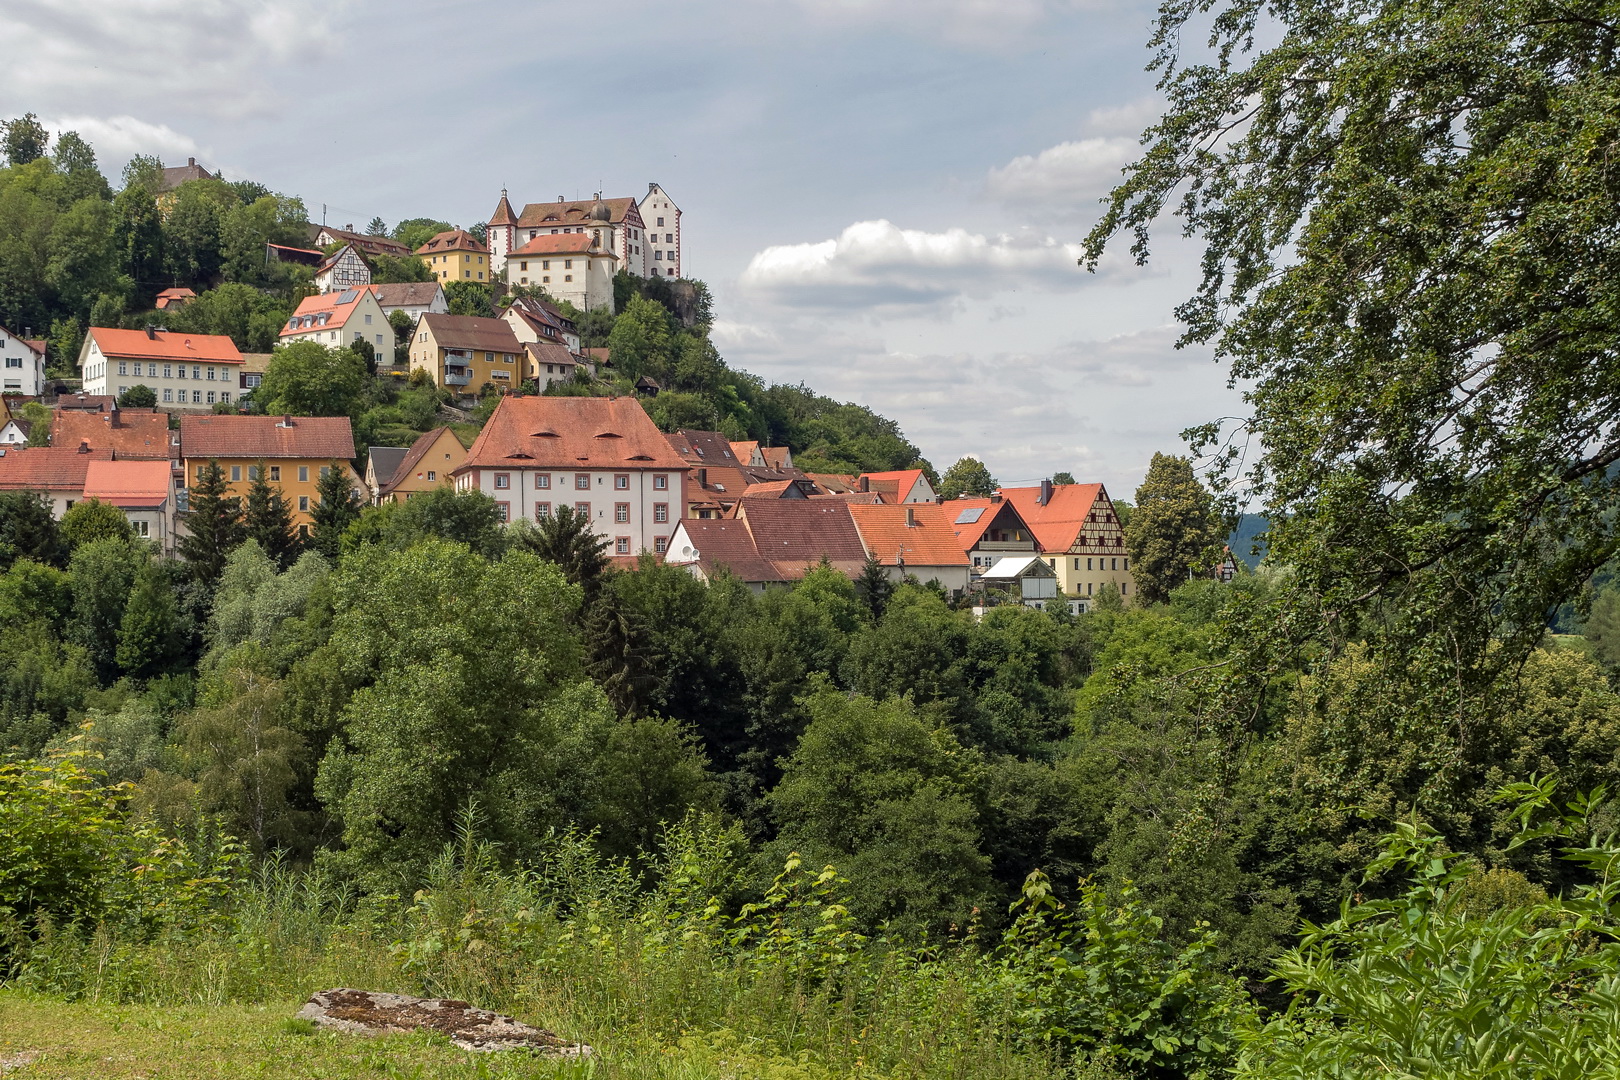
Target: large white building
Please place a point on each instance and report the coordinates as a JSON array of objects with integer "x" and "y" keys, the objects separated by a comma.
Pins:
[
  {"x": 185, "y": 371},
  {"x": 619, "y": 227},
  {"x": 602, "y": 457},
  {"x": 22, "y": 365}
]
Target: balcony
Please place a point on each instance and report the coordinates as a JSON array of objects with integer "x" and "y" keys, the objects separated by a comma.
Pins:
[{"x": 457, "y": 376}]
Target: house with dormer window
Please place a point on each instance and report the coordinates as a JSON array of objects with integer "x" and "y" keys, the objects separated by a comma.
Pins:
[{"x": 338, "y": 319}]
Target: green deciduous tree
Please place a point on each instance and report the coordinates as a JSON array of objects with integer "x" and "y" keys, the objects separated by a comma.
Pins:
[
  {"x": 83, "y": 262},
  {"x": 139, "y": 396},
  {"x": 137, "y": 239},
  {"x": 76, "y": 160},
  {"x": 640, "y": 343},
  {"x": 567, "y": 540},
  {"x": 26, "y": 139},
  {"x": 308, "y": 379},
  {"x": 469, "y": 298},
  {"x": 103, "y": 573},
  {"x": 149, "y": 632},
  {"x": 968, "y": 478},
  {"x": 213, "y": 524},
  {"x": 1173, "y": 529},
  {"x": 414, "y": 232},
  {"x": 89, "y": 520}
]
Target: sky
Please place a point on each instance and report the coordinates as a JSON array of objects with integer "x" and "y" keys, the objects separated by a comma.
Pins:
[{"x": 885, "y": 196}]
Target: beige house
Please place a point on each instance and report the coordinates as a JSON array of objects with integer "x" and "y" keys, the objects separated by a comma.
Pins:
[
  {"x": 339, "y": 319},
  {"x": 464, "y": 353}
]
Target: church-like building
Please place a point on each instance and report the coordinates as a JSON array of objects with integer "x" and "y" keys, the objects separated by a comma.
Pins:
[{"x": 603, "y": 236}]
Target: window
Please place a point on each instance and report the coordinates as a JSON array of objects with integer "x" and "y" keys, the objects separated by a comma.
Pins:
[
  {"x": 225, "y": 395},
  {"x": 199, "y": 474},
  {"x": 1116, "y": 564},
  {"x": 1088, "y": 564},
  {"x": 582, "y": 509},
  {"x": 660, "y": 544},
  {"x": 182, "y": 372},
  {"x": 660, "y": 222},
  {"x": 196, "y": 371},
  {"x": 210, "y": 374},
  {"x": 275, "y": 473},
  {"x": 669, "y": 238},
  {"x": 210, "y": 397},
  {"x": 1088, "y": 588},
  {"x": 660, "y": 482},
  {"x": 368, "y": 320},
  {"x": 324, "y": 470},
  {"x": 568, "y": 277},
  {"x": 568, "y": 264},
  {"x": 660, "y": 512},
  {"x": 303, "y": 474},
  {"x": 523, "y": 266},
  {"x": 582, "y": 481},
  {"x": 432, "y": 476},
  {"x": 236, "y": 473},
  {"x": 303, "y": 504},
  {"x": 621, "y": 545},
  {"x": 168, "y": 395},
  {"x": 545, "y": 264},
  {"x": 168, "y": 370},
  {"x": 1124, "y": 587},
  {"x": 466, "y": 273},
  {"x": 14, "y": 361},
  {"x": 542, "y": 511},
  {"x": 621, "y": 481},
  {"x": 621, "y": 513},
  {"x": 141, "y": 528},
  {"x": 659, "y": 255},
  {"x": 1127, "y": 565},
  {"x": 503, "y": 481},
  {"x": 1077, "y": 564},
  {"x": 123, "y": 367},
  {"x": 505, "y": 510},
  {"x": 253, "y": 472},
  {"x": 542, "y": 481}
]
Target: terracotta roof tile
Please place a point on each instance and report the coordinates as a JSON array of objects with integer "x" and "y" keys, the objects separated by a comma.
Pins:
[
  {"x": 999, "y": 512},
  {"x": 799, "y": 532},
  {"x": 503, "y": 212},
  {"x": 128, "y": 484},
  {"x": 744, "y": 451},
  {"x": 413, "y": 457},
  {"x": 47, "y": 468},
  {"x": 129, "y": 433},
  {"x": 325, "y": 438},
  {"x": 560, "y": 244},
  {"x": 1058, "y": 523},
  {"x": 550, "y": 352},
  {"x": 921, "y": 535},
  {"x": 539, "y": 215},
  {"x": 727, "y": 542},
  {"x": 571, "y": 433},
  {"x": 898, "y": 483},
  {"x": 332, "y": 304},
  {"x": 166, "y": 345},
  {"x": 376, "y": 245},
  {"x": 453, "y": 240}
]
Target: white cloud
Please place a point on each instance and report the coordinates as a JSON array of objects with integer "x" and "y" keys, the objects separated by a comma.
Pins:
[
  {"x": 216, "y": 57},
  {"x": 116, "y": 139},
  {"x": 1065, "y": 180},
  {"x": 876, "y": 264},
  {"x": 974, "y": 23},
  {"x": 1131, "y": 118}
]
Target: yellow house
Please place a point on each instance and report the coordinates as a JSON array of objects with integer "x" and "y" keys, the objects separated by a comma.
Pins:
[
  {"x": 456, "y": 256},
  {"x": 296, "y": 451},
  {"x": 426, "y": 465},
  {"x": 463, "y": 353}
]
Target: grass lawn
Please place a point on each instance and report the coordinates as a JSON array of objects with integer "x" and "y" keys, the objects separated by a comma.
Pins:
[{"x": 49, "y": 1039}]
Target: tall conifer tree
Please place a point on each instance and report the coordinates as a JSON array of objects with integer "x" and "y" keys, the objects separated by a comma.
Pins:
[
  {"x": 214, "y": 521},
  {"x": 336, "y": 508},
  {"x": 268, "y": 519}
]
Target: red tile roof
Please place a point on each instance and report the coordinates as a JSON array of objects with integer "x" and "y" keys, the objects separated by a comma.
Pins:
[
  {"x": 165, "y": 345},
  {"x": 999, "y": 512},
  {"x": 744, "y": 451},
  {"x": 571, "y": 433},
  {"x": 777, "y": 457},
  {"x": 545, "y": 215},
  {"x": 1058, "y": 523},
  {"x": 169, "y": 296},
  {"x": 919, "y": 535},
  {"x": 897, "y": 484},
  {"x": 47, "y": 468},
  {"x": 833, "y": 482},
  {"x": 560, "y": 244},
  {"x": 128, "y": 484},
  {"x": 129, "y": 433},
  {"x": 793, "y": 534},
  {"x": 453, "y": 240},
  {"x": 470, "y": 332},
  {"x": 90, "y": 402},
  {"x": 503, "y": 212},
  {"x": 324, "y": 438},
  {"x": 307, "y": 317}
]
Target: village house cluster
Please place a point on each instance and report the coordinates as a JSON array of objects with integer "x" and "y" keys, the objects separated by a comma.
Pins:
[{"x": 693, "y": 499}]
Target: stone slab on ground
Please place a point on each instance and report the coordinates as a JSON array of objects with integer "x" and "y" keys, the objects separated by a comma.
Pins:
[{"x": 368, "y": 1012}]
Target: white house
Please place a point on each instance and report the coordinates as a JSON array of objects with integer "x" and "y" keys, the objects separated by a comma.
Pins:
[
  {"x": 573, "y": 266},
  {"x": 343, "y": 269},
  {"x": 663, "y": 225},
  {"x": 414, "y": 298},
  {"x": 185, "y": 371},
  {"x": 22, "y": 365},
  {"x": 616, "y": 225},
  {"x": 340, "y": 319},
  {"x": 603, "y": 457},
  {"x": 536, "y": 320}
]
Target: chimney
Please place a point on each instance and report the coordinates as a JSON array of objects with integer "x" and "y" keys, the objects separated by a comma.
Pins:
[
  {"x": 191, "y": 162},
  {"x": 84, "y": 446},
  {"x": 911, "y": 518},
  {"x": 1046, "y": 492},
  {"x": 703, "y": 478},
  {"x": 151, "y": 332},
  {"x": 866, "y": 484},
  {"x": 286, "y": 421}
]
